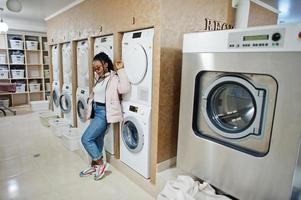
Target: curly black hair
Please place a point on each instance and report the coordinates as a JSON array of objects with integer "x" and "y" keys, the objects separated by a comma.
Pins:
[{"x": 104, "y": 58}]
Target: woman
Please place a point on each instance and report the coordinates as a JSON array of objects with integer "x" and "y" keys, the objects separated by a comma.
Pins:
[{"x": 106, "y": 109}]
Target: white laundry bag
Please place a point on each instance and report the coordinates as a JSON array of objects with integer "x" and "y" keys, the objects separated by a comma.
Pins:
[{"x": 185, "y": 188}]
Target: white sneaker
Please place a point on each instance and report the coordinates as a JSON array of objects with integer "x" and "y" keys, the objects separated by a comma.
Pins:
[
  {"x": 100, "y": 171},
  {"x": 88, "y": 172}
]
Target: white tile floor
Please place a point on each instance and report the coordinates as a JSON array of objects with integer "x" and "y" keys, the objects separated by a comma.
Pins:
[{"x": 54, "y": 173}]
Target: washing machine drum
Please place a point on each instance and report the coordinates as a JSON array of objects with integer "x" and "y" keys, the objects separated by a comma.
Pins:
[
  {"x": 65, "y": 102},
  {"x": 233, "y": 107},
  {"x": 81, "y": 107},
  {"x": 55, "y": 97},
  {"x": 132, "y": 135},
  {"x": 135, "y": 62}
]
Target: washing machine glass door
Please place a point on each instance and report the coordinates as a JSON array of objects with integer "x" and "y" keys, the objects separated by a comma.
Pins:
[
  {"x": 233, "y": 107},
  {"x": 65, "y": 102},
  {"x": 132, "y": 135},
  {"x": 81, "y": 107},
  {"x": 135, "y": 61},
  {"x": 55, "y": 97}
]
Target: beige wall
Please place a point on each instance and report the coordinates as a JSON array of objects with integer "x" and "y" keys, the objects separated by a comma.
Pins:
[
  {"x": 179, "y": 17},
  {"x": 260, "y": 16}
]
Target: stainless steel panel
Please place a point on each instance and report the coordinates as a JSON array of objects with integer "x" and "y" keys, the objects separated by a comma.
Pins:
[{"x": 239, "y": 174}]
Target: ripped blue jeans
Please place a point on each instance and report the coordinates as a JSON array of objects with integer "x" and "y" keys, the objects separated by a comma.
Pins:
[{"x": 93, "y": 137}]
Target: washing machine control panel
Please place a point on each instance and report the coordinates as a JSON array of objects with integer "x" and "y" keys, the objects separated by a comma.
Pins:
[
  {"x": 138, "y": 110},
  {"x": 271, "y": 38},
  {"x": 133, "y": 108}
]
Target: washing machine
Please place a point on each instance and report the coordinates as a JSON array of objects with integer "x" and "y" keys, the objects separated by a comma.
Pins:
[
  {"x": 56, "y": 90},
  {"x": 135, "y": 137},
  {"x": 104, "y": 44},
  {"x": 82, "y": 64},
  {"x": 137, "y": 55},
  {"x": 82, "y": 96},
  {"x": 55, "y": 97},
  {"x": 240, "y": 114},
  {"x": 66, "y": 98},
  {"x": 66, "y": 104}
]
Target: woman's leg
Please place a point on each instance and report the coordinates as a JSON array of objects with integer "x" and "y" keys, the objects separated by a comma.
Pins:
[
  {"x": 100, "y": 140},
  {"x": 92, "y": 138}
]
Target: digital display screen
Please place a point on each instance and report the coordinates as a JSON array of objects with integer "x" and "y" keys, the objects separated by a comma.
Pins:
[
  {"x": 136, "y": 35},
  {"x": 255, "y": 37},
  {"x": 103, "y": 40},
  {"x": 82, "y": 91},
  {"x": 133, "y": 109}
]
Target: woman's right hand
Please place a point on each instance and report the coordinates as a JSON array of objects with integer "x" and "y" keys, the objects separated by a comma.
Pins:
[{"x": 118, "y": 64}]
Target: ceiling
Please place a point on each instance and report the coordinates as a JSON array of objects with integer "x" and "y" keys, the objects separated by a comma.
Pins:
[
  {"x": 35, "y": 10},
  {"x": 38, "y": 10}
]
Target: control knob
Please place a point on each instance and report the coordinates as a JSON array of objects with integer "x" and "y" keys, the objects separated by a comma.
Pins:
[{"x": 276, "y": 37}]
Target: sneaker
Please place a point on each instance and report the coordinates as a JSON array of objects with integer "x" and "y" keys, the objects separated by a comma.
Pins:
[
  {"x": 88, "y": 172},
  {"x": 100, "y": 171}
]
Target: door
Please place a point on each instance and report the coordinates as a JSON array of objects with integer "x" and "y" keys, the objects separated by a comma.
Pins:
[
  {"x": 135, "y": 61},
  {"x": 81, "y": 108},
  {"x": 132, "y": 135},
  {"x": 65, "y": 102},
  {"x": 55, "y": 97},
  {"x": 231, "y": 109}
]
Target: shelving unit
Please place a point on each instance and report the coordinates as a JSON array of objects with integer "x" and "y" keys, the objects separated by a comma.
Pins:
[{"x": 24, "y": 60}]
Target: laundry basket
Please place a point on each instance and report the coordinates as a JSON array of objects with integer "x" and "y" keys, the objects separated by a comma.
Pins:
[
  {"x": 32, "y": 45},
  {"x": 71, "y": 139},
  {"x": 59, "y": 126},
  {"x": 46, "y": 116}
]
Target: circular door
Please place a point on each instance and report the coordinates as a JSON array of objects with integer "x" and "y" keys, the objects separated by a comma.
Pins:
[
  {"x": 135, "y": 61},
  {"x": 55, "y": 97},
  {"x": 81, "y": 107},
  {"x": 233, "y": 107},
  {"x": 65, "y": 102},
  {"x": 132, "y": 135}
]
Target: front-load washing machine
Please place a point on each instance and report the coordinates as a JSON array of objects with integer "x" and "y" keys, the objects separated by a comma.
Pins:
[
  {"x": 82, "y": 96},
  {"x": 55, "y": 97},
  {"x": 137, "y": 55},
  {"x": 82, "y": 64},
  {"x": 55, "y": 62},
  {"x": 66, "y": 104},
  {"x": 135, "y": 136},
  {"x": 240, "y": 110},
  {"x": 66, "y": 57},
  {"x": 104, "y": 44}
]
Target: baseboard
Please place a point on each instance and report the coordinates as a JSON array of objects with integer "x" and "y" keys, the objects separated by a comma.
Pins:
[{"x": 166, "y": 164}]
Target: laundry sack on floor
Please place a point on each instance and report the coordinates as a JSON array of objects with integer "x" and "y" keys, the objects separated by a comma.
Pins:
[{"x": 185, "y": 188}]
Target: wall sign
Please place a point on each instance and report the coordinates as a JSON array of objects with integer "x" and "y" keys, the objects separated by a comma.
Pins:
[{"x": 213, "y": 25}]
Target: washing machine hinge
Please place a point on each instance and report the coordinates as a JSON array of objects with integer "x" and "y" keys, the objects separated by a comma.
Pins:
[
  {"x": 256, "y": 131},
  {"x": 260, "y": 93}
]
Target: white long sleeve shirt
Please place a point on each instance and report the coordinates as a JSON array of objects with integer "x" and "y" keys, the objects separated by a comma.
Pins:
[{"x": 100, "y": 90}]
